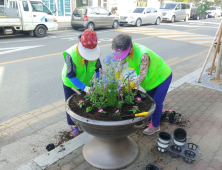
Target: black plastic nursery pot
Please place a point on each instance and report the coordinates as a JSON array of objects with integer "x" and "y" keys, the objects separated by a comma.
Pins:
[
  {"x": 151, "y": 166},
  {"x": 164, "y": 136},
  {"x": 180, "y": 135}
]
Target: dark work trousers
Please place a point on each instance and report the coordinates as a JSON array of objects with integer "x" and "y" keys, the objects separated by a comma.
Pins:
[
  {"x": 159, "y": 94},
  {"x": 68, "y": 92}
]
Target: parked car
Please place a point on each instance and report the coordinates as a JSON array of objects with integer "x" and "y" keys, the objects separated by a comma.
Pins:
[
  {"x": 142, "y": 15},
  {"x": 93, "y": 17},
  {"x": 194, "y": 14},
  {"x": 175, "y": 11},
  {"x": 214, "y": 11}
]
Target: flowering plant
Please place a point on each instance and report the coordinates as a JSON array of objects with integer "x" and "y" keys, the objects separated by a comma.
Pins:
[
  {"x": 81, "y": 103},
  {"x": 109, "y": 91},
  {"x": 135, "y": 109}
]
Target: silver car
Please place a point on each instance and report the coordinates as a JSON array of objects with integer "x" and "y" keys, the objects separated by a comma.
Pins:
[
  {"x": 175, "y": 11},
  {"x": 93, "y": 17},
  {"x": 142, "y": 15}
]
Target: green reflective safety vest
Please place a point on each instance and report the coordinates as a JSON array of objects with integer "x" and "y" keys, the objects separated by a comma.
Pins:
[
  {"x": 158, "y": 70},
  {"x": 82, "y": 73}
]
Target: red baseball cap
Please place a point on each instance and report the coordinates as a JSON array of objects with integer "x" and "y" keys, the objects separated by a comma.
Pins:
[{"x": 87, "y": 46}]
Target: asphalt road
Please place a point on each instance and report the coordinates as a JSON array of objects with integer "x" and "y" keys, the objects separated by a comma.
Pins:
[{"x": 30, "y": 67}]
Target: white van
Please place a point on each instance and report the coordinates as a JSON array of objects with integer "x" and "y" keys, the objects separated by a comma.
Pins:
[
  {"x": 27, "y": 16},
  {"x": 175, "y": 11}
]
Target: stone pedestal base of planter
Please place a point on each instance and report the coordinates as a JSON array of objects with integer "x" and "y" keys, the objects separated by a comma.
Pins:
[{"x": 110, "y": 153}]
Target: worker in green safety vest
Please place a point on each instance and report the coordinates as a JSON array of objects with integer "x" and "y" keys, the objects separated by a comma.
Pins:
[
  {"x": 81, "y": 64},
  {"x": 153, "y": 74}
]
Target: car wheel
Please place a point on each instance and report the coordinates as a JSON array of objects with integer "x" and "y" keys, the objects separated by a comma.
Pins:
[
  {"x": 40, "y": 31},
  {"x": 121, "y": 25},
  {"x": 157, "y": 21},
  {"x": 90, "y": 26},
  {"x": 172, "y": 19},
  {"x": 138, "y": 22},
  {"x": 206, "y": 17},
  {"x": 197, "y": 18},
  {"x": 186, "y": 19},
  {"x": 115, "y": 24},
  {"x": 75, "y": 28}
]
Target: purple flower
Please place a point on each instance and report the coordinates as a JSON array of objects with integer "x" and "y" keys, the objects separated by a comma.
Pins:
[
  {"x": 121, "y": 94},
  {"x": 100, "y": 110},
  {"x": 117, "y": 111},
  {"x": 135, "y": 106},
  {"x": 170, "y": 110},
  {"x": 105, "y": 85},
  {"x": 138, "y": 99},
  {"x": 163, "y": 110},
  {"x": 81, "y": 101},
  {"x": 88, "y": 93}
]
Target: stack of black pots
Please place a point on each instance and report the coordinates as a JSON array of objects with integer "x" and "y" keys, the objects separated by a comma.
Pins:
[{"x": 177, "y": 145}]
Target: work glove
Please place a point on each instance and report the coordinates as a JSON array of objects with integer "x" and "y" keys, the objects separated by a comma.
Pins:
[
  {"x": 86, "y": 89},
  {"x": 132, "y": 86},
  {"x": 117, "y": 75}
]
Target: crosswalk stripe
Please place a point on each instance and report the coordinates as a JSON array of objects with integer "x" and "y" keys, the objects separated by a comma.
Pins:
[
  {"x": 172, "y": 36},
  {"x": 195, "y": 38},
  {"x": 183, "y": 36},
  {"x": 202, "y": 42}
]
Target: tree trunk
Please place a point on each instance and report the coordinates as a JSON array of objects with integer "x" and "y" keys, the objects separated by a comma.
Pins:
[{"x": 218, "y": 68}]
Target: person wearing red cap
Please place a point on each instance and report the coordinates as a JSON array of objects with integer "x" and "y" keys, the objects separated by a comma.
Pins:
[
  {"x": 153, "y": 74},
  {"x": 81, "y": 63}
]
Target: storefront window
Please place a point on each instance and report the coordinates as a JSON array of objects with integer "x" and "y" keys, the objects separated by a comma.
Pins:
[
  {"x": 60, "y": 8},
  {"x": 1, "y": 3},
  {"x": 67, "y": 8}
]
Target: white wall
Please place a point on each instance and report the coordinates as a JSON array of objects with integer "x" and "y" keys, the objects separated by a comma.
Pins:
[
  {"x": 153, "y": 3},
  {"x": 123, "y": 5}
]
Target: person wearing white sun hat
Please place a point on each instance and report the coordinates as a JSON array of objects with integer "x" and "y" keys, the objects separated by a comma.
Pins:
[{"x": 81, "y": 63}]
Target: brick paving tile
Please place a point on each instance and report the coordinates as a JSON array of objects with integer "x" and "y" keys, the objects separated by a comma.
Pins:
[
  {"x": 200, "y": 165},
  {"x": 66, "y": 167},
  {"x": 190, "y": 131},
  {"x": 195, "y": 138},
  {"x": 196, "y": 124},
  {"x": 193, "y": 118},
  {"x": 202, "y": 131},
  {"x": 216, "y": 164},
  {"x": 212, "y": 118},
  {"x": 207, "y": 156},
  {"x": 202, "y": 118},
  {"x": 210, "y": 168},
  {"x": 217, "y": 124}
]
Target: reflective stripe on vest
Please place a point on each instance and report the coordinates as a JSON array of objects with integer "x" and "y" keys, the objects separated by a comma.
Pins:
[
  {"x": 82, "y": 73},
  {"x": 158, "y": 70}
]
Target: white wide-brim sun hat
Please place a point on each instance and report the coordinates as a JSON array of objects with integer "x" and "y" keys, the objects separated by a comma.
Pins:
[{"x": 89, "y": 54}]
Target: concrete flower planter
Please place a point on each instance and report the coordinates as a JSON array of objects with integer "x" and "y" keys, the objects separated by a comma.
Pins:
[{"x": 110, "y": 148}]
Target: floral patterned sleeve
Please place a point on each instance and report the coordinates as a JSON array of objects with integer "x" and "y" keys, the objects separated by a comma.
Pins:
[{"x": 143, "y": 69}]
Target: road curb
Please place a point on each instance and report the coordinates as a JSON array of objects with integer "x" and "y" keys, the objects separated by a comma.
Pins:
[
  {"x": 61, "y": 151},
  {"x": 64, "y": 28},
  {"x": 42, "y": 162}
]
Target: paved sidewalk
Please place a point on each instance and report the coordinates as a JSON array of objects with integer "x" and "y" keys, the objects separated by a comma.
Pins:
[
  {"x": 202, "y": 116},
  {"x": 64, "y": 26}
]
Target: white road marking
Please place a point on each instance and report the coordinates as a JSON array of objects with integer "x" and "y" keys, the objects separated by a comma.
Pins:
[
  {"x": 202, "y": 42},
  {"x": 168, "y": 33},
  {"x": 195, "y": 38},
  {"x": 2, "y": 69},
  {"x": 171, "y": 36},
  {"x": 106, "y": 39},
  {"x": 14, "y": 49}
]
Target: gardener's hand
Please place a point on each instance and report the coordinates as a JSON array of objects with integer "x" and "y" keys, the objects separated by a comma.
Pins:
[
  {"x": 86, "y": 89},
  {"x": 132, "y": 86},
  {"x": 117, "y": 75}
]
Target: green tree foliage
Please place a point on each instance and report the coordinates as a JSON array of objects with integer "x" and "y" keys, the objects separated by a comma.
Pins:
[{"x": 203, "y": 6}]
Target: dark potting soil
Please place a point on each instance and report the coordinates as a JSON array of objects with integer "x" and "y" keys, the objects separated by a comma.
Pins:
[{"x": 144, "y": 106}]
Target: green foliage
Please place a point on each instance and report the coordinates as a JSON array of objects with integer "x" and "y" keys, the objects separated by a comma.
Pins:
[
  {"x": 107, "y": 90},
  {"x": 135, "y": 109},
  {"x": 89, "y": 109}
]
